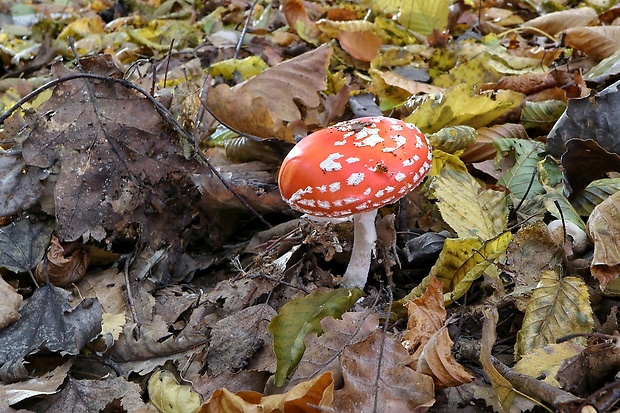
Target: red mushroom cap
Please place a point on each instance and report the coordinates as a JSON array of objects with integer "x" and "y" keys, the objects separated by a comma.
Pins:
[{"x": 354, "y": 166}]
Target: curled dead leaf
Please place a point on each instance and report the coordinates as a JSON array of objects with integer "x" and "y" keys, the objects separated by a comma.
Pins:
[
  {"x": 64, "y": 266},
  {"x": 362, "y": 45}
]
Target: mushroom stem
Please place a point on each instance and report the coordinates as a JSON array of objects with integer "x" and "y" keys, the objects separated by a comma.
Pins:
[{"x": 364, "y": 237}]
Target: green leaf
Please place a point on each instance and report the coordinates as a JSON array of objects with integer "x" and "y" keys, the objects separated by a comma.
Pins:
[
  {"x": 471, "y": 210},
  {"x": 517, "y": 178},
  {"x": 595, "y": 193},
  {"x": 424, "y": 16},
  {"x": 536, "y": 114},
  {"x": 558, "y": 307},
  {"x": 302, "y": 316}
]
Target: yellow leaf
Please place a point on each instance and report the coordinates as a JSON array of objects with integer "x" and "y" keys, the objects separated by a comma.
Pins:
[
  {"x": 424, "y": 16},
  {"x": 247, "y": 68},
  {"x": 459, "y": 105},
  {"x": 83, "y": 27},
  {"x": 558, "y": 307},
  {"x": 471, "y": 210},
  {"x": 545, "y": 362},
  {"x": 462, "y": 261},
  {"x": 168, "y": 396}
]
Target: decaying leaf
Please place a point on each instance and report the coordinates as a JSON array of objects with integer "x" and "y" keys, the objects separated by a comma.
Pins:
[
  {"x": 62, "y": 267},
  {"x": 362, "y": 45},
  {"x": 428, "y": 340},
  {"x": 23, "y": 244},
  {"x": 47, "y": 322},
  {"x": 43, "y": 385},
  {"x": 96, "y": 395},
  {"x": 236, "y": 338},
  {"x": 604, "y": 230},
  {"x": 323, "y": 352},
  {"x": 396, "y": 387},
  {"x": 9, "y": 304},
  {"x": 115, "y": 157},
  {"x": 465, "y": 205},
  {"x": 597, "y": 42},
  {"x": 18, "y": 190},
  {"x": 554, "y": 23}
]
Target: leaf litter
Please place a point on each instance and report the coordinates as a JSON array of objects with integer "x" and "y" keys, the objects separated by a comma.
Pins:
[{"x": 146, "y": 192}]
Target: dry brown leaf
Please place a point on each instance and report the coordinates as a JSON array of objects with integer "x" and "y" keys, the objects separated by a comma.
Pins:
[
  {"x": 596, "y": 42},
  {"x": 554, "y": 23},
  {"x": 297, "y": 18},
  {"x": 362, "y": 45},
  {"x": 399, "y": 389},
  {"x": 438, "y": 362},
  {"x": 64, "y": 267},
  {"x": 263, "y": 104},
  {"x": 322, "y": 352},
  {"x": 604, "y": 230},
  {"x": 9, "y": 304},
  {"x": 300, "y": 399},
  {"x": 427, "y": 315}
]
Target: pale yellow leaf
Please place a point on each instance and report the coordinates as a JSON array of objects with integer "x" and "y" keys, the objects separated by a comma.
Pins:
[
  {"x": 558, "y": 307},
  {"x": 545, "y": 362},
  {"x": 168, "y": 396},
  {"x": 604, "y": 229},
  {"x": 424, "y": 16}
]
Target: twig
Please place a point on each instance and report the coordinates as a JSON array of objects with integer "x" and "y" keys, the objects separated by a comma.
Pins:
[
  {"x": 245, "y": 29},
  {"x": 130, "y": 302}
]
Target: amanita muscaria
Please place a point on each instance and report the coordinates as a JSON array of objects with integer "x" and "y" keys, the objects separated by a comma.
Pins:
[{"x": 351, "y": 169}]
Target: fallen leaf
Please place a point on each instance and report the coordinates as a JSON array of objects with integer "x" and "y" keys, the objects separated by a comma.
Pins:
[
  {"x": 237, "y": 338},
  {"x": 261, "y": 105},
  {"x": 168, "y": 396},
  {"x": 18, "y": 190},
  {"x": 23, "y": 244},
  {"x": 554, "y": 23},
  {"x": 597, "y": 42},
  {"x": 300, "y": 317},
  {"x": 47, "y": 321},
  {"x": 558, "y": 307},
  {"x": 62, "y": 267},
  {"x": 362, "y": 45},
  {"x": 604, "y": 231},
  {"x": 96, "y": 395},
  {"x": 43, "y": 385},
  {"x": 399, "y": 389},
  {"x": 323, "y": 352},
  {"x": 9, "y": 305},
  {"x": 115, "y": 158},
  {"x": 302, "y": 398}
]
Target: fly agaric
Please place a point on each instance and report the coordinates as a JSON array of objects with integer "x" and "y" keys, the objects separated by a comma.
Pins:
[{"x": 351, "y": 169}]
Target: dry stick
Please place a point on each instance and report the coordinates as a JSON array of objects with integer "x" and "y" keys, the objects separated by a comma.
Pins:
[
  {"x": 163, "y": 112},
  {"x": 245, "y": 29},
  {"x": 132, "y": 306},
  {"x": 382, "y": 347},
  {"x": 528, "y": 385}
]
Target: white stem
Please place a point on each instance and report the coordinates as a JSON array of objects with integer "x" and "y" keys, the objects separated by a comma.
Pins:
[{"x": 364, "y": 237}]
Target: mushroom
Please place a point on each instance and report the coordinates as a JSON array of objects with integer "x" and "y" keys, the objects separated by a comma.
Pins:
[{"x": 351, "y": 169}]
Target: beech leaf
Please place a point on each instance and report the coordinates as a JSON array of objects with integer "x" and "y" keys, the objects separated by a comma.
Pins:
[
  {"x": 301, "y": 316},
  {"x": 558, "y": 307},
  {"x": 260, "y": 105},
  {"x": 171, "y": 397},
  {"x": 604, "y": 230}
]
